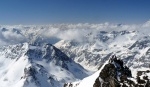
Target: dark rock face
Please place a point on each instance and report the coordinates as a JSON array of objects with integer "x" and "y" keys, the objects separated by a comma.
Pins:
[
  {"x": 142, "y": 78},
  {"x": 29, "y": 72},
  {"x": 115, "y": 74},
  {"x": 112, "y": 74},
  {"x": 70, "y": 85}
]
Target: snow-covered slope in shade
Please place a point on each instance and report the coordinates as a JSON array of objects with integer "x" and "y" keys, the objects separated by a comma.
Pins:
[{"x": 26, "y": 65}]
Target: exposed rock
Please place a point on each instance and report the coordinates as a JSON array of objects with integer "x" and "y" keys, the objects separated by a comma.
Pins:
[{"x": 116, "y": 74}]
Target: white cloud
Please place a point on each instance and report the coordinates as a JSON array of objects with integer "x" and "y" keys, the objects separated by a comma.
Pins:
[
  {"x": 11, "y": 36},
  {"x": 52, "y": 33},
  {"x": 146, "y": 24}
]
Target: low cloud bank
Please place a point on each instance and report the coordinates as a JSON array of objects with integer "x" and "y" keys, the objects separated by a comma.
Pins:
[{"x": 53, "y": 33}]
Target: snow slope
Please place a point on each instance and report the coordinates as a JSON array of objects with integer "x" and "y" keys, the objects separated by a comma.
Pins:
[
  {"x": 91, "y": 79},
  {"x": 29, "y": 65}
]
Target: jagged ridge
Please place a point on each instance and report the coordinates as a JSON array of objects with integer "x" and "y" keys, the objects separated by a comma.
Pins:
[
  {"x": 29, "y": 65},
  {"x": 114, "y": 74}
]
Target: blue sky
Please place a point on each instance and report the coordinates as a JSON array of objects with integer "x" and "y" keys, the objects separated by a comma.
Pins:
[{"x": 73, "y": 11}]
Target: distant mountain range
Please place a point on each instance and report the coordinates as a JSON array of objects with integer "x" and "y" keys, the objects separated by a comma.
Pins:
[{"x": 52, "y": 55}]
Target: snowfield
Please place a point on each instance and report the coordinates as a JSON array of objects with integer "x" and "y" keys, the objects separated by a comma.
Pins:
[{"x": 52, "y": 55}]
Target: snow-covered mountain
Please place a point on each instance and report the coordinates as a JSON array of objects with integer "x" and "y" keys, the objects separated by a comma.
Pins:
[
  {"x": 29, "y": 65},
  {"x": 113, "y": 73},
  {"x": 132, "y": 46},
  {"x": 89, "y": 45},
  {"x": 86, "y": 44}
]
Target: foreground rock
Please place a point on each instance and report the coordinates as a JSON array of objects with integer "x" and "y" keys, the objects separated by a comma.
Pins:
[{"x": 114, "y": 74}]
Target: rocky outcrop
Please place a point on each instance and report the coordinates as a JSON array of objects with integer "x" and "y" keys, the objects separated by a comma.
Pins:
[
  {"x": 116, "y": 74},
  {"x": 143, "y": 79},
  {"x": 71, "y": 84}
]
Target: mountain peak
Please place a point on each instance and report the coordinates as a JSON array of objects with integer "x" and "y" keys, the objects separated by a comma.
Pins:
[
  {"x": 28, "y": 65},
  {"x": 114, "y": 73}
]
